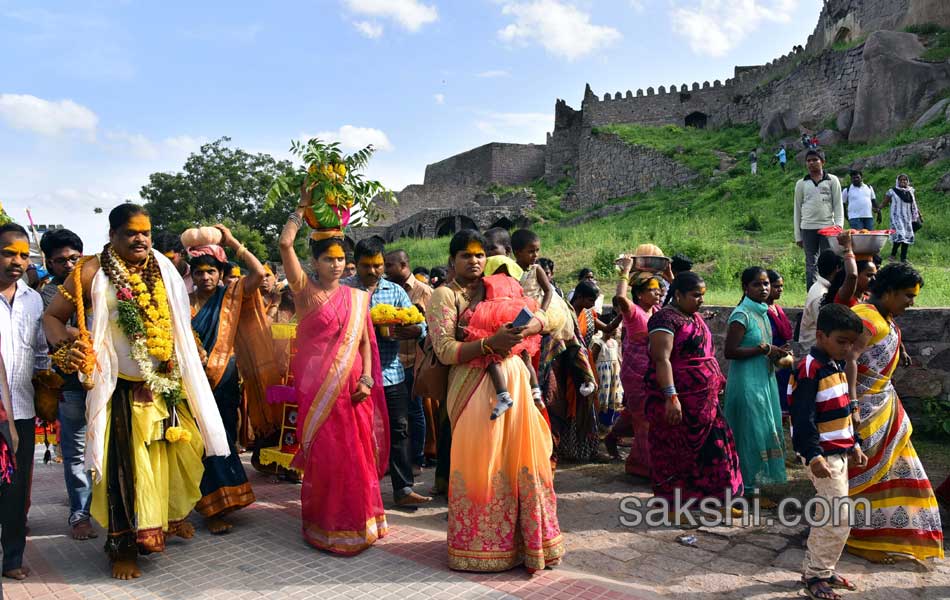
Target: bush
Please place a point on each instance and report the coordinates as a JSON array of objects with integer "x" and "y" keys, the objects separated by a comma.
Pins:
[
  {"x": 604, "y": 263},
  {"x": 924, "y": 29},
  {"x": 937, "y": 421},
  {"x": 751, "y": 223}
]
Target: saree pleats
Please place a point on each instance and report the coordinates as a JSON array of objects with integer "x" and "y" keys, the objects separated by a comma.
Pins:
[{"x": 502, "y": 506}]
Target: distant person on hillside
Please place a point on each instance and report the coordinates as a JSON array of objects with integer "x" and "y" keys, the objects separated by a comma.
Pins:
[
  {"x": 815, "y": 142},
  {"x": 782, "y": 157},
  {"x": 806, "y": 141},
  {"x": 859, "y": 202},
  {"x": 817, "y": 205},
  {"x": 753, "y": 162},
  {"x": 905, "y": 216}
]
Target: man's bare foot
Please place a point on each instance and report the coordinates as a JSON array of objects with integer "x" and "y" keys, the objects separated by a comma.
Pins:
[
  {"x": 126, "y": 569},
  {"x": 217, "y": 525},
  {"x": 18, "y": 574},
  {"x": 413, "y": 499},
  {"x": 83, "y": 531},
  {"x": 182, "y": 529}
]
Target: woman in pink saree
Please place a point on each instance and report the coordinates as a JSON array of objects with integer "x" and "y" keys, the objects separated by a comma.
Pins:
[
  {"x": 502, "y": 507},
  {"x": 343, "y": 426}
]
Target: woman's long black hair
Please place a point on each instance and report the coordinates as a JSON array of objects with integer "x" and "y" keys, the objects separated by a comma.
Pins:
[
  {"x": 750, "y": 275},
  {"x": 682, "y": 283}
]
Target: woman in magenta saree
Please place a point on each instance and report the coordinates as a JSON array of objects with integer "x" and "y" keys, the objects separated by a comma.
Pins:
[
  {"x": 691, "y": 446},
  {"x": 342, "y": 427}
]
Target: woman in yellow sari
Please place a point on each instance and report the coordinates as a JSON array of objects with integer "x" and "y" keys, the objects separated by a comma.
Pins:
[
  {"x": 502, "y": 508},
  {"x": 905, "y": 521}
]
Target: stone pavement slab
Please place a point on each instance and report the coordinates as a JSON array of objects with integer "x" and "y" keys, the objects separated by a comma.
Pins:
[{"x": 265, "y": 556}]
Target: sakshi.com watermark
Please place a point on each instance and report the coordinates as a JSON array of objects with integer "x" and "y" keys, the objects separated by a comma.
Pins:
[{"x": 714, "y": 512}]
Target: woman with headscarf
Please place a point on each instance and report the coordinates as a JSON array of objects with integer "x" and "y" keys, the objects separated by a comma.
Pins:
[
  {"x": 231, "y": 328},
  {"x": 905, "y": 216}
]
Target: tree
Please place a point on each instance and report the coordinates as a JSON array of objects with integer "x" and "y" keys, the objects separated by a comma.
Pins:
[{"x": 220, "y": 184}]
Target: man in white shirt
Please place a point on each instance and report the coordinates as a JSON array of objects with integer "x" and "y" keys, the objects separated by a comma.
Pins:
[
  {"x": 828, "y": 266},
  {"x": 859, "y": 202},
  {"x": 24, "y": 350}
]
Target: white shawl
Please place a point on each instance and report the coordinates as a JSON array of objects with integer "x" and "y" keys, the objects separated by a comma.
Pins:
[{"x": 196, "y": 388}]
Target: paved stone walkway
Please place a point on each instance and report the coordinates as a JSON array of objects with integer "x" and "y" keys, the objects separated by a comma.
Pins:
[{"x": 266, "y": 557}]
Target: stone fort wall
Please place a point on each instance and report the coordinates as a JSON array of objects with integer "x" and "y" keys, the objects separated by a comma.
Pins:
[{"x": 495, "y": 163}]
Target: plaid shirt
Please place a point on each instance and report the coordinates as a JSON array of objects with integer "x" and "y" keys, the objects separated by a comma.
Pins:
[
  {"x": 419, "y": 293},
  {"x": 387, "y": 292}
]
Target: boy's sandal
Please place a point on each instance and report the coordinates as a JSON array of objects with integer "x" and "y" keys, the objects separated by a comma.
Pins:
[
  {"x": 840, "y": 582},
  {"x": 818, "y": 589}
]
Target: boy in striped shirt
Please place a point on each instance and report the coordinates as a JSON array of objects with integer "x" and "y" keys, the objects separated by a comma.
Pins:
[{"x": 823, "y": 435}]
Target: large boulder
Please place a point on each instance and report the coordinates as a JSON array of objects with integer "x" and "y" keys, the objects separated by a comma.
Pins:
[
  {"x": 894, "y": 86},
  {"x": 843, "y": 120},
  {"x": 829, "y": 137},
  {"x": 944, "y": 184},
  {"x": 779, "y": 123},
  {"x": 933, "y": 113}
]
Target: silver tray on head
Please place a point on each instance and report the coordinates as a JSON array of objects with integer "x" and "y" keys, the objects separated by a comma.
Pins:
[{"x": 861, "y": 243}]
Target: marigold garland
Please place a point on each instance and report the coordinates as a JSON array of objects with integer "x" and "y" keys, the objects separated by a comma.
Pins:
[{"x": 145, "y": 319}]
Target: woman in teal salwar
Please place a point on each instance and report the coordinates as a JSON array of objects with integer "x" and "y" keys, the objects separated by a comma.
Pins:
[{"x": 752, "y": 400}]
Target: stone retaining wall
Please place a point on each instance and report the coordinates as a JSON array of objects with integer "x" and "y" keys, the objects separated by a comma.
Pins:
[
  {"x": 926, "y": 334},
  {"x": 610, "y": 168}
]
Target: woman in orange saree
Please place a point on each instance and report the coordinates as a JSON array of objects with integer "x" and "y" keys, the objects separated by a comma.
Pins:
[
  {"x": 342, "y": 425},
  {"x": 502, "y": 507}
]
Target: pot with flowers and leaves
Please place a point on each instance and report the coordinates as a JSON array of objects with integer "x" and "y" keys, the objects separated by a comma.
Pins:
[{"x": 342, "y": 195}]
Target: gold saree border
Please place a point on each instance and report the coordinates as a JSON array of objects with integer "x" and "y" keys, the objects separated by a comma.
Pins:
[{"x": 226, "y": 500}]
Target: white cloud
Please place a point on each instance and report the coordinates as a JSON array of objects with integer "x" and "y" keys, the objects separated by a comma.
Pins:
[
  {"x": 638, "y": 5},
  {"x": 369, "y": 29},
  {"x": 356, "y": 138},
  {"x": 46, "y": 117},
  {"x": 439, "y": 98},
  {"x": 141, "y": 147},
  {"x": 525, "y": 127},
  {"x": 560, "y": 27},
  {"x": 410, "y": 14},
  {"x": 494, "y": 73},
  {"x": 714, "y": 27}
]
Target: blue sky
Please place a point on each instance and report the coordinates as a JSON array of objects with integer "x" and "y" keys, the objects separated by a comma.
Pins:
[{"x": 94, "y": 96}]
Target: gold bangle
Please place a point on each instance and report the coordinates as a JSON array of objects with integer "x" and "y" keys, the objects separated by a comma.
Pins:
[
  {"x": 485, "y": 346},
  {"x": 66, "y": 294}
]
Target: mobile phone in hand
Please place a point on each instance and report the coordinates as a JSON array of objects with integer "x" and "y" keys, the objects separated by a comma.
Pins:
[{"x": 524, "y": 317}]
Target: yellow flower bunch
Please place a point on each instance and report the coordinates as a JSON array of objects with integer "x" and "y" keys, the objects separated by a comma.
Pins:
[
  {"x": 386, "y": 314},
  {"x": 177, "y": 434}
]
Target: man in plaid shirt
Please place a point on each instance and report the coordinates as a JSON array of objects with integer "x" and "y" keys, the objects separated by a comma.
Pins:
[{"x": 369, "y": 278}]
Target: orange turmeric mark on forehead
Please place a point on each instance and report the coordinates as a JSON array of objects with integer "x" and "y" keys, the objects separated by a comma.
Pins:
[
  {"x": 268, "y": 270},
  {"x": 335, "y": 251},
  {"x": 18, "y": 247},
  {"x": 914, "y": 290},
  {"x": 370, "y": 261},
  {"x": 139, "y": 224},
  {"x": 474, "y": 248},
  {"x": 170, "y": 254},
  {"x": 653, "y": 284},
  {"x": 702, "y": 291}
]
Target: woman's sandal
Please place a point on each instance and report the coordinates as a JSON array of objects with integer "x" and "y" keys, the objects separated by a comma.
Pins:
[{"x": 818, "y": 589}]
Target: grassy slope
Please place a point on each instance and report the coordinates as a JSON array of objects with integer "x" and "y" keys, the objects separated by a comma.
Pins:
[{"x": 707, "y": 222}]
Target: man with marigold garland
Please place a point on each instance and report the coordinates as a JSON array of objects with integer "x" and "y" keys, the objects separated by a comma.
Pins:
[{"x": 148, "y": 396}]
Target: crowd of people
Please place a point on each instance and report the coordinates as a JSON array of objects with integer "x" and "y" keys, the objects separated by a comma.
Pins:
[{"x": 162, "y": 357}]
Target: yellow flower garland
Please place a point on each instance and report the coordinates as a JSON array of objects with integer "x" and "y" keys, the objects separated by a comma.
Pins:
[{"x": 156, "y": 316}]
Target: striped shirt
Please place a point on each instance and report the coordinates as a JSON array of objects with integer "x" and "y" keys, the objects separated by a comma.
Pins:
[{"x": 821, "y": 407}]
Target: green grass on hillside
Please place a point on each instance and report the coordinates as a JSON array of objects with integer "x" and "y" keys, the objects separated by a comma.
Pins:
[
  {"x": 709, "y": 222},
  {"x": 935, "y": 38},
  {"x": 696, "y": 148}
]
